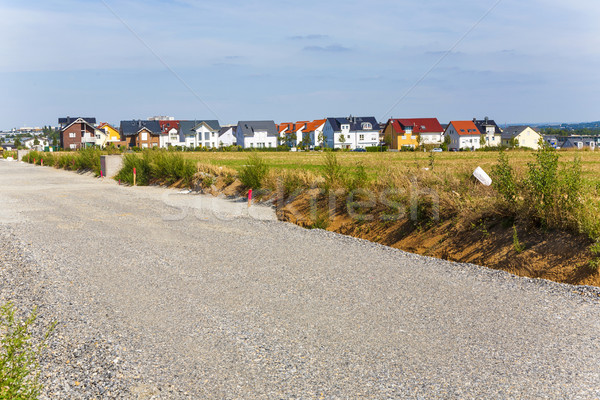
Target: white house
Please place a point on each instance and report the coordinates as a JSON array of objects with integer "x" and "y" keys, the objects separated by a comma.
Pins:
[
  {"x": 29, "y": 143},
  {"x": 227, "y": 136},
  {"x": 351, "y": 133},
  {"x": 256, "y": 134},
  {"x": 207, "y": 133},
  {"x": 463, "y": 135},
  {"x": 521, "y": 136}
]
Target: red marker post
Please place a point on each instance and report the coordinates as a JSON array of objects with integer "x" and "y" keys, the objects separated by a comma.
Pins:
[
  {"x": 249, "y": 197},
  {"x": 134, "y": 176},
  {"x": 42, "y": 162}
]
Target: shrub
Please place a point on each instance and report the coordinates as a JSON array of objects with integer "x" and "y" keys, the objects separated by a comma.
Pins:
[
  {"x": 19, "y": 352},
  {"x": 88, "y": 160},
  {"x": 503, "y": 179},
  {"x": 358, "y": 179},
  {"x": 291, "y": 182},
  {"x": 376, "y": 149},
  {"x": 516, "y": 243},
  {"x": 332, "y": 171},
  {"x": 252, "y": 175}
]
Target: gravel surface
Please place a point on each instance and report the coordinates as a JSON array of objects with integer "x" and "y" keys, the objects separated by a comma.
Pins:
[{"x": 157, "y": 295}]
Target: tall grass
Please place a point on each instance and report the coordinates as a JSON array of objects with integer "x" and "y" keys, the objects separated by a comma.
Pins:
[
  {"x": 82, "y": 160},
  {"x": 253, "y": 174},
  {"x": 157, "y": 166}
]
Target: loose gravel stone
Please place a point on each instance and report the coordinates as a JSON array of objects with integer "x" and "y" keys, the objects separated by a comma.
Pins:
[{"x": 159, "y": 296}]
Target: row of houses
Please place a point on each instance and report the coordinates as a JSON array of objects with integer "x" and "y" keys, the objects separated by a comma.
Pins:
[{"x": 332, "y": 132}]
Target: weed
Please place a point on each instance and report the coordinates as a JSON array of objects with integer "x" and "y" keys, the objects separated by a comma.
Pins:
[
  {"x": 332, "y": 171},
  {"x": 19, "y": 352},
  {"x": 253, "y": 174},
  {"x": 517, "y": 245},
  {"x": 504, "y": 180}
]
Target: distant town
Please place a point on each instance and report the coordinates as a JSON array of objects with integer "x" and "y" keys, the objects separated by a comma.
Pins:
[{"x": 356, "y": 133}]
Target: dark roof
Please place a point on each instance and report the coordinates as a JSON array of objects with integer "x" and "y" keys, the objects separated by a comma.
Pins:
[
  {"x": 482, "y": 123},
  {"x": 354, "y": 122},
  {"x": 70, "y": 120},
  {"x": 186, "y": 127},
  {"x": 225, "y": 129},
  {"x": 513, "y": 131},
  {"x": 212, "y": 123},
  {"x": 572, "y": 141},
  {"x": 248, "y": 127},
  {"x": 132, "y": 127}
]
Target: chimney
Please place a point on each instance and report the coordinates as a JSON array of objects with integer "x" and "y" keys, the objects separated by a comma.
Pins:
[{"x": 486, "y": 120}]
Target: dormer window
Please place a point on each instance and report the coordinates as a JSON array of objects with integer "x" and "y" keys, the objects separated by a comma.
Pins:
[
  {"x": 367, "y": 125},
  {"x": 345, "y": 127}
]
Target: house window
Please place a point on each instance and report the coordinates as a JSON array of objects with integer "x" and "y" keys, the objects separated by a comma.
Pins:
[
  {"x": 367, "y": 125},
  {"x": 361, "y": 137},
  {"x": 144, "y": 135},
  {"x": 345, "y": 127},
  {"x": 71, "y": 134},
  {"x": 72, "y": 146},
  {"x": 348, "y": 136}
]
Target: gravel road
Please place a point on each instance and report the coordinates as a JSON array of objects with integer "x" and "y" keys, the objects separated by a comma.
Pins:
[{"x": 161, "y": 294}]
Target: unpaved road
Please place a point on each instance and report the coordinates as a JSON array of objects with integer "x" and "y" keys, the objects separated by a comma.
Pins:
[{"x": 196, "y": 304}]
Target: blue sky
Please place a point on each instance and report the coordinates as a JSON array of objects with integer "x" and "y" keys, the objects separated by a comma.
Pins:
[{"x": 526, "y": 61}]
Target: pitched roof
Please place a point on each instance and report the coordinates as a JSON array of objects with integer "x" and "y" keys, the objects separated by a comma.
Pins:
[
  {"x": 167, "y": 125},
  {"x": 187, "y": 127},
  {"x": 482, "y": 123},
  {"x": 224, "y": 129},
  {"x": 248, "y": 127},
  {"x": 70, "y": 120},
  {"x": 356, "y": 123},
  {"x": 419, "y": 125},
  {"x": 513, "y": 131},
  {"x": 132, "y": 127},
  {"x": 212, "y": 123},
  {"x": 104, "y": 124},
  {"x": 311, "y": 126},
  {"x": 80, "y": 120},
  {"x": 465, "y": 127},
  {"x": 285, "y": 126}
]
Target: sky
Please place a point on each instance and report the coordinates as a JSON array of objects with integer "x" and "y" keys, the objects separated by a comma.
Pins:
[{"x": 512, "y": 60}]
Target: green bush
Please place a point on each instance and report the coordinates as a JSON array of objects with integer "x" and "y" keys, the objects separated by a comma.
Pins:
[
  {"x": 291, "y": 182},
  {"x": 167, "y": 166},
  {"x": 332, "y": 171},
  {"x": 252, "y": 174},
  {"x": 376, "y": 149},
  {"x": 19, "y": 352},
  {"x": 358, "y": 179},
  {"x": 88, "y": 160},
  {"x": 504, "y": 179}
]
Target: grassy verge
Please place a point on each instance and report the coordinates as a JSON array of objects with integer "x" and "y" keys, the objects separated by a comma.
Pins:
[{"x": 82, "y": 160}]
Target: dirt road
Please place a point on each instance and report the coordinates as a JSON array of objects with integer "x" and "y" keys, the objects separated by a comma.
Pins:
[{"x": 176, "y": 295}]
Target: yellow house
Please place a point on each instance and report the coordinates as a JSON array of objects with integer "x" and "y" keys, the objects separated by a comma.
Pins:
[
  {"x": 112, "y": 134},
  {"x": 521, "y": 136},
  {"x": 411, "y": 132}
]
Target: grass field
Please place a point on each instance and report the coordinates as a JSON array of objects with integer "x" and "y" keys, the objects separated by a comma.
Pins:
[{"x": 376, "y": 163}]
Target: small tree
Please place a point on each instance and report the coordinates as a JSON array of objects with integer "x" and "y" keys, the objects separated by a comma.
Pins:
[
  {"x": 342, "y": 138},
  {"x": 36, "y": 141},
  {"x": 320, "y": 140}
]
